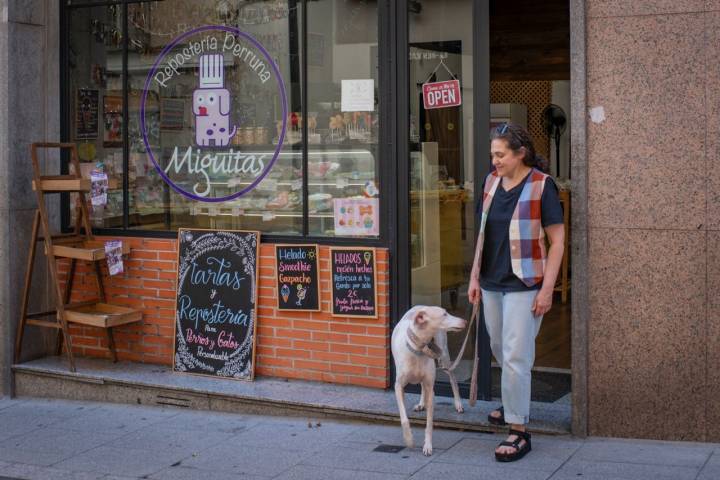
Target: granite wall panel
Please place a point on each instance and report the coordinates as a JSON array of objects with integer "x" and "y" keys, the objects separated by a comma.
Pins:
[
  {"x": 624, "y": 8},
  {"x": 647, "y": 366},
  {"x": 647, "y": 74}
]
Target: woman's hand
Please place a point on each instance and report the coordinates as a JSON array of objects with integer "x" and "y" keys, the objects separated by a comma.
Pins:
[
  {"x": 542, "y": 303},
  {"x": 474, "y": 294}
]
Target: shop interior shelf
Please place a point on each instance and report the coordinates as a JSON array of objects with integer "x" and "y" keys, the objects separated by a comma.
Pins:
[
  {"x": 102, "y": 315},
  {"x": 62, "y": 183},
  {"x": 88, "y": 250}
]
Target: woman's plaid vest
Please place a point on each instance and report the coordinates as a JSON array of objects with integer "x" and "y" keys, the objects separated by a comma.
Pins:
[{"x": 527, "y": 237}]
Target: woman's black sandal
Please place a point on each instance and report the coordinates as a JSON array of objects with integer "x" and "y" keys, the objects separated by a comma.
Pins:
[
  {"x": 520, "y": 451},
  {"x": 498, "y": 420}
]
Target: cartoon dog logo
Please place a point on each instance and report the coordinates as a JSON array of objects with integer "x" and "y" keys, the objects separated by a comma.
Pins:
[{"x": 211, "y": 104}]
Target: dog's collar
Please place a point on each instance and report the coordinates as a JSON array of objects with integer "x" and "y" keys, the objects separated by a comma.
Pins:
[{"x": 429, "y": 349}]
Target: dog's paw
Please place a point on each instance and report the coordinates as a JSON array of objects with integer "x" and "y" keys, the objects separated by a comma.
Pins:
[
  {"x": 427, "y": 449},
  {"x": 419, "y": 407},
  {"x": 459, "y": 408}
]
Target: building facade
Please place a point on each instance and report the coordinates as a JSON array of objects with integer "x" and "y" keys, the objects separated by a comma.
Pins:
[{"x": 331, "y": 108}]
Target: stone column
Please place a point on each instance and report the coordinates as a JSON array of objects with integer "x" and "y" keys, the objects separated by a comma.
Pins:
[{"x": 29, "y": 112}]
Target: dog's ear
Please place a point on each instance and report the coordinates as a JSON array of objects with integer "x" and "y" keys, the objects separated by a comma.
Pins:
[{"x": 420, "y": 318}]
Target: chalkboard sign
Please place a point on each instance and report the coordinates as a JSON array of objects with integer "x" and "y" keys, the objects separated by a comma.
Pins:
[
  {"x": 354, "y": 292},
  {"x": 216, "y": 306},
  {"x": 297, "y": 277}
]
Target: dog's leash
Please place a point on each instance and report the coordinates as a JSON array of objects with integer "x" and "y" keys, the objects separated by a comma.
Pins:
[{"x": 473, "y": 381}]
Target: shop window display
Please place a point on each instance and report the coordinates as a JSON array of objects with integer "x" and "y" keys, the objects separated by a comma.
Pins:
[{"x": 339, "y": 160}]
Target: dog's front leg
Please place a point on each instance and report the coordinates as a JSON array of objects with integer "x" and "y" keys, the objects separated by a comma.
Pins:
[
  {"x": 429, "y": 394},
  {"x": 456, "y": 392},
  {"x": 404, "y": 420}
]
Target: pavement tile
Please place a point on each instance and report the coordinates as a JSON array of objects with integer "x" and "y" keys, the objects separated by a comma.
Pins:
[
  {"x": 588, "y": 470},
  {"x": 114, "y": 418},
  {"x": 709, "y": 473},
  {"x": 188, "y": 473},
  {"x": 241, "y": 460},
  {"x": 56, "y": 440},
  {"x": 647, "y": 452},
  {"x": 362, "y": 457},
  {"x": 295, "y": 436},
  {"x": 381, "y": 434},
  {"x": 184, "y": 442},
  {"x": 437, "y": 470},
  {"x": 34, "y": 472},
  {"x": 132, "y": 462},
  {"x": 308, "y": 472},
  {"x": 547, "y": 454},
  {"x": 201, "y": 421}
]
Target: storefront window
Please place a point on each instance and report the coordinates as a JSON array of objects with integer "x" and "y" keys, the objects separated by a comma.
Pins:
[
  {"x": 343, "y": 117},
  {"x": 177, "y": 53}
]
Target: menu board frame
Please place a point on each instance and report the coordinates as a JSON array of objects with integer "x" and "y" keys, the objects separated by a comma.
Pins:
[
  {"x": 316, "y": 279},
  {"x": 332, "y": 281},
  {"x": 253, "y": 347}
]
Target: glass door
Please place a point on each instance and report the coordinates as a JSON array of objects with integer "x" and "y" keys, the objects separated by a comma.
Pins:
[{"x": 443, "y": 166}]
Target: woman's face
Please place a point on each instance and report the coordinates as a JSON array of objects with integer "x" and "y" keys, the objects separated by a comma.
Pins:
[{"x": 505, "y": 161}]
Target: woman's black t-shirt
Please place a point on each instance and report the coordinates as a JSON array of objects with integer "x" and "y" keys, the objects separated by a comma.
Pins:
[{"x": 496, "y": 273}]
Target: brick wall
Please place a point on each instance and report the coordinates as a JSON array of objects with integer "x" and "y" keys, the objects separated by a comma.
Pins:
[{"x": 310, "y": 346}]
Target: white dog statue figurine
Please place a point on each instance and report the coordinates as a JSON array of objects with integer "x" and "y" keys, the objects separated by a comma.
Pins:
[{"x": 418, "y": 339}]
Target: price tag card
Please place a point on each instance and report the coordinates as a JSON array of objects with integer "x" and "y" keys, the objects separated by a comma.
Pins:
[
  {"x": 113, "y": 256},
  {"x": 268, "y": 216},
  {"x": 341, "y": 182},
  {"x": 296, "y": 184},
  {"x": 98, "y": 188}
]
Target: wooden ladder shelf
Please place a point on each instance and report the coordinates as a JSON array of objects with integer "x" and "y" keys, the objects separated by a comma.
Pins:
[{"x": 77, "y": 246}]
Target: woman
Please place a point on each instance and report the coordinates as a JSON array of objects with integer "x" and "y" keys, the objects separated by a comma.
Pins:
[{"x": 512, "y": 272}]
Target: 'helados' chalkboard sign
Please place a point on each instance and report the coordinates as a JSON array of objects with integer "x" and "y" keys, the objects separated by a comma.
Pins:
[
  {"x": 354, "y": 280},
  {"x": 297, "y": 277},
  {"x": 216, "y": 305}
]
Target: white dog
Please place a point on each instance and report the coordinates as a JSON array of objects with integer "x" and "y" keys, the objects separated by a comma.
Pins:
[{"x": 418, "y": 339}]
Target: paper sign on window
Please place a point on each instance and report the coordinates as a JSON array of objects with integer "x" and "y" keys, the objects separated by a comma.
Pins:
[{"x": 356, "y": 216}]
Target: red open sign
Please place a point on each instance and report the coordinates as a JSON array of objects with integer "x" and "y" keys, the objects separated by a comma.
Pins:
[{"x": 441, "y": 94}]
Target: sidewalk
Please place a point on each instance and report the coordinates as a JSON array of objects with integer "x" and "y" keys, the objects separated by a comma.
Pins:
[{"x": 59, "y": 439}]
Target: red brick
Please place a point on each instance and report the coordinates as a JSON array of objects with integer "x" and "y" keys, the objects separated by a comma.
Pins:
[
  {"x": 275, "y": 362},
  {"x": 367, "y": 340},
  {"x": 316, "y": 346},
  {"x": 330, "y": 357},
  {"x": 279, "y": 342},
  {"x": 311, "y": 365},
  {"x": 292, "y": 353},
  {"x": 165, "y": 266},
  {"x": 368, "y": 382},
  {"x": 347, "y": 328},
  {"x": 159, "y": 244},
  {"x": 144, "y": 255},
  {"x": 309, "y": 325},
  {"x": 351, "y": 369},
  {"x": 291, "y": 333},
  {"x": 172, "y": 256},
  {"x": 346, "y": 348},
  {"x": 161, "y": 284},
  {"x": 368, "y": 361},
  {"x": 379, "y": 372}
]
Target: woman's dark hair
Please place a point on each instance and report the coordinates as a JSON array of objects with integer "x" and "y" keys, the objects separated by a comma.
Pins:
[{"x": 517, "y": 137}]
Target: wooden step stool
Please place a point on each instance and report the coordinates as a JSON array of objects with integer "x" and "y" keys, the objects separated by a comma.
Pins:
[{"x": 77, "y": 246}]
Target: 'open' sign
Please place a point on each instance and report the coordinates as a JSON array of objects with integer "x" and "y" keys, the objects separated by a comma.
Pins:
[{"x": 442, "y": 94}]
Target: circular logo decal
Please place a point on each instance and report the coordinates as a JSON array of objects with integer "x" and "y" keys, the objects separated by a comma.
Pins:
[{"x": 197, "y": 65}]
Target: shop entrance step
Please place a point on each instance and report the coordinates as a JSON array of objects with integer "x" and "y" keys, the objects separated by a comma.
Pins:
[{"x": 126, "y": 382}]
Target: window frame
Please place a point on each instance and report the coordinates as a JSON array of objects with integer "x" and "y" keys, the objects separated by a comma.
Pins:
[{"x": 385, "y": 170}]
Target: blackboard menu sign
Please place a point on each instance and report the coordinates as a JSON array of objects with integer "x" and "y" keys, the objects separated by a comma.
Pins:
[
  {"x": 354, "y": 280},
  {"x": 297, "y": 277},
  {"x": 216, "y": 306}
]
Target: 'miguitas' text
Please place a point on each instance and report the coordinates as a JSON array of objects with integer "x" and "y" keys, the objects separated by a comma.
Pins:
[{"x": 209, "y": 164}]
